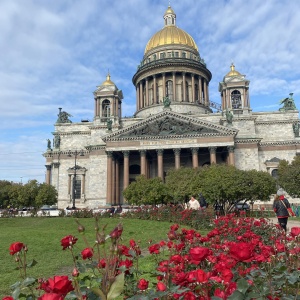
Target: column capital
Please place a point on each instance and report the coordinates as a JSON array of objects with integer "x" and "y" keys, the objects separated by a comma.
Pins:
[
  {"x": 195, "y": 150},
  {"x": 177, "y": 151},
  {"x": 143, "y": 152},
  {"x": 230, "y": 149},
  {"x": 212, "y": 149},
  {"x": 48, "y": 167},
  {"x": 56, "y": 164},
  {"x": 109, "y": 153},
  {"x": 126, "y": 153},
  {"x": 160, "y": 151}
]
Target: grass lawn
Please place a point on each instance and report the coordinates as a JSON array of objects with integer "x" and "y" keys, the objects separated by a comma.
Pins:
[{"x": 43, "y": 235}]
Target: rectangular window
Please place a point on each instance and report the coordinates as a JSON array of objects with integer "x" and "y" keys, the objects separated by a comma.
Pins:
[
  {"x": 161, "y": 55},
  {"x": 77, "y": 188},
  {"x": 169, "y": 54},
  {"x": 183, "y": 54},
  {"x": 176, "y": 54}
]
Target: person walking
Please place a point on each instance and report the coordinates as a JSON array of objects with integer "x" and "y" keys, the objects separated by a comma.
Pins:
[{"x": 282, "y": 209}]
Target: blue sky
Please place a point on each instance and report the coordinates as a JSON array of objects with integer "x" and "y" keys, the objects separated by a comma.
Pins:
[{"x": 55, "y": 53}]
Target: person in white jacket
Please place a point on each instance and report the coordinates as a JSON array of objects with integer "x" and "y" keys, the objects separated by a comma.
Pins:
[{"x": 193, "y": 203}]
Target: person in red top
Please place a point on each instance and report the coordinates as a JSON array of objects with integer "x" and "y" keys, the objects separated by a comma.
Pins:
[{"x": 281, "y": 207}]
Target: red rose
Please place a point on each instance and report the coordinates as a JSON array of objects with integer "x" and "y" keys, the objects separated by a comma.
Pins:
[
  {"x": 116, "y": 233},
  {"x": 51, "y": 297},
  {"x": 226, "y": 275},
  {"x": 189, "y": 296},
  {"x": 8, "y": 298},
  {"x": 220, "y": 294},
  {"x": 60, "y": 285},
  {"x": 143, "y": 284},
  {"x": 161, "y": 286},
  {"x": 102, "y": 263},
  {"x": 127, "y": 264},
  {"x": 154, "y": 249},
  {"x": 16, "y": 247},
  {"x": 295, "y": 231},
  {"x": 68, "y": 241},
  {"x": 87, "y": 253},
  {"x": 198, "y": 254},
  {"x": 132, "y": 243},
  {"x": 242, "y": 251}
]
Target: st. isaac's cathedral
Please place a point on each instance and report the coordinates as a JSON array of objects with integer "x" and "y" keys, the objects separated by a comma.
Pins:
[{"x": 175, "y": 125}]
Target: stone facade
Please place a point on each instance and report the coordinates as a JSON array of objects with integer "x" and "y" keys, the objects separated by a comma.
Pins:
[{"x": 174, "y": 126}]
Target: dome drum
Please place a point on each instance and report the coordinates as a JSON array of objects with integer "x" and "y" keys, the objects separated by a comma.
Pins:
[{"x": 172, "y": 69}]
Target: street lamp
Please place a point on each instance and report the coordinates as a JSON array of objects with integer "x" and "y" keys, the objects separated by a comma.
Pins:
[{"x": 75, "y": 153}]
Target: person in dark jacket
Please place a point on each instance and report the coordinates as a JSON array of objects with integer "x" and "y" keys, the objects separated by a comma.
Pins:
[{"x": 281, "y": 206}]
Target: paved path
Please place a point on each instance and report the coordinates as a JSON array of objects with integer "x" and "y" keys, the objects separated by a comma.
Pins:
[{"x": 291, "y": 222}]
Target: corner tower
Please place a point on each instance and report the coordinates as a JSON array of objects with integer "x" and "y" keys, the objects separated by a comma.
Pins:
[
  {"x": 171, "y": 68},
  {"x": 234, "y": 91},
  {"x": 108, "y": 102}
]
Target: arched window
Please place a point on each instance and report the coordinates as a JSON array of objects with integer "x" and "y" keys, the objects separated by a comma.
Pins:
[
  {"x": 274, "y": 173},
  {"x": 236, "y": 100},
  {"x": 106, "y": 109},
  {"x": 169, "y": 89}
]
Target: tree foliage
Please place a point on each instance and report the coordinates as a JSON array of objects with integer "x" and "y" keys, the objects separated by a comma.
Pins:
[
  {"x": 31, "y": 194},
  {"x": 181, "y": 183},
  {"x": 145, "y": 191},
  {"x": 216, "y": 182},
  {"x": 289, "y": 176}
]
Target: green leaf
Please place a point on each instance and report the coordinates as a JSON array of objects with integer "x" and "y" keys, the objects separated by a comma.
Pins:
[
  {"x": 237, "y": 295},
  {"x": 243, "y": 285},
  {"x": 15, "y": 285},
  {"x": 29, "y": 281},
  {"x": 16, "y": 293},
  {"x": 98, "y": 292},
  {"x": 32, "y": 263},
  {"x": 116, "y": 288}
]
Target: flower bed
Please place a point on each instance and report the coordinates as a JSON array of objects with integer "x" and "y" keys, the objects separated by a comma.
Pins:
[{"x": 240, "y": 258}]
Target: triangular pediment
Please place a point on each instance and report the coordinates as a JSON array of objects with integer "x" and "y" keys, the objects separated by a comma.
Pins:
[{"x": 168, "y": 124}]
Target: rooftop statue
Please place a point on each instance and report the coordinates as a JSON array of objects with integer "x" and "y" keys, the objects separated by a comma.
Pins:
[
  {"x": 63, "y": 117},
  {"x": 109, "y": 124},
  {"x": 48, "y": 144},
  {"x": 229, "y": 116},
  {"x": 166, "y": 102},
  {"x": 288, "y": 103}
]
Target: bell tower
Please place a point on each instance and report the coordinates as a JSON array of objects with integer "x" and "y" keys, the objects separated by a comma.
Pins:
[
  {"x": 234, "y": 91},
  {"x": 108, "y": 102}
]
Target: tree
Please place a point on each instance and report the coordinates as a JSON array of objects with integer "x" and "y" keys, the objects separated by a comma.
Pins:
[
  {"x": 4, "y": 192},
  {"x": 289, "y": 176},
  {"x": 28, "y": 194},
  {"x": 258, "y": 185},
  {"x": 221, "y": 183},
  {"x": 181, "y": 183},
  {"x": 145, "y": 191},
  {"x": 47, "y": 194}
]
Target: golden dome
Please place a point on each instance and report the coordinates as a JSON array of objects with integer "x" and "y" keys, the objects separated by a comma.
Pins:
[
  {"x": 170, "y": 34},
  {"x": 108, "y": 81},
  {"x": 233, "y": 72}
]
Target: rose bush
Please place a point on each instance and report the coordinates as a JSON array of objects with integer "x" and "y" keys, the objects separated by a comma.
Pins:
[{"x": 240, "y": 258}]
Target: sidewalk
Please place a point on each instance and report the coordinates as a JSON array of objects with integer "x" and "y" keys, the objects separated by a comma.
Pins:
[{"x": 291, "y": 223}]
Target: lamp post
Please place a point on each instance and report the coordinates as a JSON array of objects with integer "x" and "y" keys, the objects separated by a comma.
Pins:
[{"x": 75, "y": 153}]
